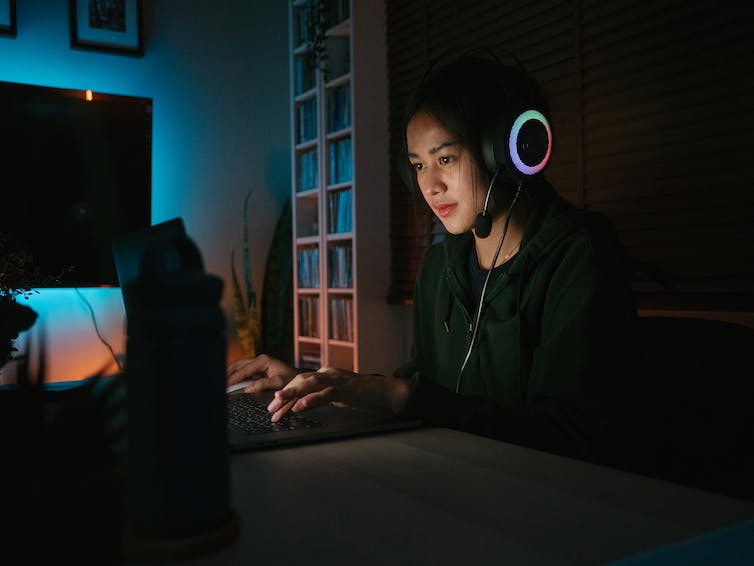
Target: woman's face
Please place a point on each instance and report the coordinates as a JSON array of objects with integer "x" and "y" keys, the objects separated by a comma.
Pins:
[{"x": 445, "y": 173}]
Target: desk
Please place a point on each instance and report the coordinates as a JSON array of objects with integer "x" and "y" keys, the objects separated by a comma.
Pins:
[{"x": 437, "y": 496}]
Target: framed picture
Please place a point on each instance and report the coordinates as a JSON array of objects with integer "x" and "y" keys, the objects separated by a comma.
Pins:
[
  {"x": 8, "y": 17},
  {"x": 107, "y": 25}
]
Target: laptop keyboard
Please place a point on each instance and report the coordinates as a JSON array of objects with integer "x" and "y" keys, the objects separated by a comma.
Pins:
[{"x": 251, "y": 416}]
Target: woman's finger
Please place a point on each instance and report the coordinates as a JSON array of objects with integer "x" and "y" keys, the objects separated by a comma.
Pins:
[
  {"x": 262, "y": 382},
  {"x": 280, "y": 412},
  {"x": 325, "y": 396},
  {"x": 243, "y": 369}
]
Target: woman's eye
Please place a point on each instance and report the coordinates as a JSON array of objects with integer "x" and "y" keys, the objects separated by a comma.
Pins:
[
  {"x": 446, "y": 159},
  {"x": 416, "y": 166}
]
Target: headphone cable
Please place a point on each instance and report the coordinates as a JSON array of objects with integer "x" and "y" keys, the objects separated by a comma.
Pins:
[{"x": 484, "y": 287}]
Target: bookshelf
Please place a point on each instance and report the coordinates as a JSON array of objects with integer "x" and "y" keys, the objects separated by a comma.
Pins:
[{"x": 340, "y": 189}]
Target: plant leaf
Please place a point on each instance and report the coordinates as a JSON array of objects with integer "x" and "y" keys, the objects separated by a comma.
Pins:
[
  {"x": 240, "y": 313},
  {"x": 251, "y": 299}
]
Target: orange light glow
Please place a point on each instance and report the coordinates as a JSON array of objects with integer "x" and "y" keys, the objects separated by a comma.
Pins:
[{"x": 89, "y": 95}]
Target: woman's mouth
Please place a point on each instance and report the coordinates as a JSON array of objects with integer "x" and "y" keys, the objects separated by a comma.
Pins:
[{"x": 444, "y": 209}]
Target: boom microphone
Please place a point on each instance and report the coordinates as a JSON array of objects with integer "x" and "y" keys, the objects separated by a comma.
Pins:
[{"x": 483, "y": 222}]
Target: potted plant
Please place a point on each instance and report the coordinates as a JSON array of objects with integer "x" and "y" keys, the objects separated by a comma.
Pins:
[
  {"x": 17, "y": 277},
  {"x": 60, "y": 445},
  {"x": 245, "y": 308}
]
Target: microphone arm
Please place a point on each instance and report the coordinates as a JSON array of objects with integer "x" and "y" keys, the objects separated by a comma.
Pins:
[{"x": 483, "y": 222}]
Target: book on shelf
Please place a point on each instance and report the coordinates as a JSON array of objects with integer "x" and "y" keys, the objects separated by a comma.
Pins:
[
  {"x": 341, "y": 170},
  {"x": 305, "y": 74},
  {"x": 307, "y": 120},
  {"x": 341, "y": 319},
  {"x": 306, "y": 178},
  {"x": 339, "y": 212},
  {"x": 302, "y": 27},
  {"x": 308, "y": 268},
  {"x": 339, "y": 266},
  {"x": 308, "y": 308},
  {"x": 339, "y": 108}
]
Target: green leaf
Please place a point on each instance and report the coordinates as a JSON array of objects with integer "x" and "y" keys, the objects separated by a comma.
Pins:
[{"x": 251, "y": 299}]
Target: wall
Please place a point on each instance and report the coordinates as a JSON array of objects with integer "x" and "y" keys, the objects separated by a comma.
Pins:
[{"x": 218, "y": 75}]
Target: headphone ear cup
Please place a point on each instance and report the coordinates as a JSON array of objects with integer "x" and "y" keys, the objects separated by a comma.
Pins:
[
  {"x": 529, "y": 143},
  {"x": 521, "y": 145},
  {"x": 492, "y": 161}
]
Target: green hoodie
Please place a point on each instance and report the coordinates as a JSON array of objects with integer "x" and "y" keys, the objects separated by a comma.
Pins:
[{"x": 555, "y": 342}]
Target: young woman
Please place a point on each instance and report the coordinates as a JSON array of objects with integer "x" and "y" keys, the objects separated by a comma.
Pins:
[{"x": 523, "y": 315}]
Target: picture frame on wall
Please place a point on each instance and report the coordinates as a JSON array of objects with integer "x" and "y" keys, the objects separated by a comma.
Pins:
[
  {"x": 113, "y": 26},
  {"x": 8, "y": 17}
]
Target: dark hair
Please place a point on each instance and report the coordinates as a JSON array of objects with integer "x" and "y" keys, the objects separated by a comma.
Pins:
[{"x": 467, "y": 96}]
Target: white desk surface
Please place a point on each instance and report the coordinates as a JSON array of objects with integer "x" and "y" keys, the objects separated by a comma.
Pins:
[{"x": 437, "y": 496}]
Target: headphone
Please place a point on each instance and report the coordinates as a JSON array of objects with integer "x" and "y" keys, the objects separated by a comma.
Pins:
[{"x": 518, "y": 144}]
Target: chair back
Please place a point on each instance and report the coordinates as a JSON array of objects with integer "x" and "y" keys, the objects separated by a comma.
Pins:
[{"x": 694, "y": 412}]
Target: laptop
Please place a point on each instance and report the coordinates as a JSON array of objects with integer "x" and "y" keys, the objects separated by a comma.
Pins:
[
  {"x": 249, "y": 424},
  {"x": 313, "y": 425}
]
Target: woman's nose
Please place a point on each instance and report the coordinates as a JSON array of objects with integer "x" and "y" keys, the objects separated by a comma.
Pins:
[{"x": 432, "y": 183}]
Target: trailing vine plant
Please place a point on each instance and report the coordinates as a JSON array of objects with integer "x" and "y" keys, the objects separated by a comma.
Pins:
[{"x": 316, "y": 28}]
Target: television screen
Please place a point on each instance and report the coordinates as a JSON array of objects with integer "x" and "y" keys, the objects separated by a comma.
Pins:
[{"x": 75, "y": 171}]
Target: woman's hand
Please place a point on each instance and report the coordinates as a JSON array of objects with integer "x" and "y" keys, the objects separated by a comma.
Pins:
[
  {"x": 331, "y": 386},
  {"x": 263, "y": 372}
]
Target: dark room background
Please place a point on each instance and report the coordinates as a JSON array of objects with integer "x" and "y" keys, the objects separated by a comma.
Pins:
[{"x": 653, "y": 108}]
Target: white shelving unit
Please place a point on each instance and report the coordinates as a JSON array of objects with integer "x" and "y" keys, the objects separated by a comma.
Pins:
[{"x": 340, "y": 191}]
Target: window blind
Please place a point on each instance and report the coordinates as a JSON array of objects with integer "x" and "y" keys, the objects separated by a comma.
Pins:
[{"x": 652, "y": 110}]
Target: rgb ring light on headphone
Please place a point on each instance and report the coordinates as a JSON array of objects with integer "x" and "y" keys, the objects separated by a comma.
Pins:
[{"x": 519, "y": 122}]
